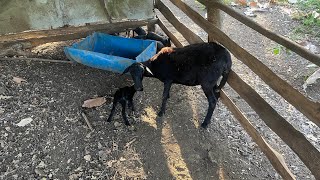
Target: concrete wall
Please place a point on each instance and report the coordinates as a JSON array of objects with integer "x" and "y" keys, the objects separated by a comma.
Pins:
[{"x": 22, "y": 15}]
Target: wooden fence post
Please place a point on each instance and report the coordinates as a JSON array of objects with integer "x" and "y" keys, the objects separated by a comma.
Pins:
[{"x": 214, "y": 16}]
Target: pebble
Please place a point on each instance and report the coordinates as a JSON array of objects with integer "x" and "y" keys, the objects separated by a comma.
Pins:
[
  {"x": 87, "y": 157},
  {"x": 41, "y": 165},
  {"x": 131, "y": 128},
  {"x": 103, "y": 155},
  {"x": 100, "y": 145},
  {"x": 116, "y": 124},
  {"x": 39, "y": 172}
]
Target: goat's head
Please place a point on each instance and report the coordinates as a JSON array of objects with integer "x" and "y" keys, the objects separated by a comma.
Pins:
[{"x": 138, "y": 71}]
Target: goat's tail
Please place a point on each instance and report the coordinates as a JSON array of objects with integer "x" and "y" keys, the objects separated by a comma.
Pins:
[{"x": 226, "y": 69}]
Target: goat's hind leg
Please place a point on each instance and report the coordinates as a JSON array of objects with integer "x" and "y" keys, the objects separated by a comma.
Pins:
[
  {"x": 124, "y": 114},
  {"x": 212, "y": 100},
  {"x": 114, "y": 104},
  {"x": 165, "y": 96}
]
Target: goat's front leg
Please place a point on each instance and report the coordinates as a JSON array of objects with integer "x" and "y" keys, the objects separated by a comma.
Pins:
[
  {"x": 211, "y": 96},
  {"x": 130, "y": 105},
  {"x": 114, "y": 104},
  {"x": 165, "y": 96},
  {"x": 124, "y": 114}
]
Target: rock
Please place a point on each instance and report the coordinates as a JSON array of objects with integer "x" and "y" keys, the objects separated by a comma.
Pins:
[
  {"x": 2, "y": 143},
  {"x": 39, "y": 172},
  {"x": 103, "y": 155},
  {"x": 100, "y": 145},
  {"x": 41, "y": 165},
  {"x": 293, "y": 1},
  {"x": 75, "y": 176},
  {"x": 87, "y": 157},
  {"x": 7, "y": 129},
  {"x": 212, "y": 158},
  {"x": 2, "y": 90},
  {"x": 117, "y": 124},
  {"x": 1, "y": 110},
  {"x": 131, "y": 128}
]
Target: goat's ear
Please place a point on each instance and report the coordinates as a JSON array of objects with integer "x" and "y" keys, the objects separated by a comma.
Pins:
[
  {"x": 169, "y": 42},
  {"x": 147, "y": 71},
  {"x": 126, "y": 70}
]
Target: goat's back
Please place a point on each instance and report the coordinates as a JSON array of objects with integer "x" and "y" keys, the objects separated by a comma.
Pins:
[{"x": 192, "y": 64}]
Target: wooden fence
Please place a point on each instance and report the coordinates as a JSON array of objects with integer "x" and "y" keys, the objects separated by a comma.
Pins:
[{"x": 309, "y": 155}]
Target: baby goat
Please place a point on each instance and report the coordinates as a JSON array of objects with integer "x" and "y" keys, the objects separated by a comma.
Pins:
[
  {"x": 198, "y": 64},
  {"x": 124, "y": 96}
]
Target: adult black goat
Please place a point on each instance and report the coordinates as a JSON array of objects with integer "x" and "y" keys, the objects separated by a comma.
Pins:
[{"x": 198, "y": 64}]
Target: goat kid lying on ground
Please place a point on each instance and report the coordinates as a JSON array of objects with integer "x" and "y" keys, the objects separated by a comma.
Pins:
[
  {"x": 161, "y": 40},
  {"x": 198, "y": 64},
  {"x": 124, "y": 96}
]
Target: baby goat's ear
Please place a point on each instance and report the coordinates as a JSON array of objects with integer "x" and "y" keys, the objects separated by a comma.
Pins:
[
  {"x": 126, "y": 70},
  {"x": 147, "y": 71}
]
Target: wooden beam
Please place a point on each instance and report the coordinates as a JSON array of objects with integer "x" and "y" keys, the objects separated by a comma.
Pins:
[
  {"x": 214, "y": 17},
  {"x": 285, "y": 130},
  {"x": 172, "y": 37},
  {"x": 309, "y": 155},
  {"x": 274, "y": 157},
  {"x": 34, "y": 38},
  {"x": 309, "y": 108},
  {"x": 293, "y": 46},
  {"x": 186, "y": 33}
]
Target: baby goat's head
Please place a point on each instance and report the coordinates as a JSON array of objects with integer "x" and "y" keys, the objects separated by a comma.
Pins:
[{"x": 138, "y": 71}]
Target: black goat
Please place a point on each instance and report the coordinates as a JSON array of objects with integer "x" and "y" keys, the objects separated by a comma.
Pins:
[
  {"x": 198, "y": 64},
  {"x": 161, "y": 40},
  {"x": 124, "y": 96}
]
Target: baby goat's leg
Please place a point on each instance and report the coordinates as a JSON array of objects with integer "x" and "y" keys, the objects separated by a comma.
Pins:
[
  {"x": 212, "y": 104},
  {"x": 130, "y": 105},
  {"x": 114, "y": 104},
  {"x": 165, "y": 96},
  {"x": 124, "y": 114}
]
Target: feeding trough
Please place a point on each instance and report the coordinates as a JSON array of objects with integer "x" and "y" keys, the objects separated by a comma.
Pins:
[{"x": 111, "y": 53}]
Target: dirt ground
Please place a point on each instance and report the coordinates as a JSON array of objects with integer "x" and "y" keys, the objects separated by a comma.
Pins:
[{"x": 57, "y": 144}]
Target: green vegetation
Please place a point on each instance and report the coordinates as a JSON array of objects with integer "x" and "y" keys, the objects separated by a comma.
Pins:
[{"x": 309, "y": 16}]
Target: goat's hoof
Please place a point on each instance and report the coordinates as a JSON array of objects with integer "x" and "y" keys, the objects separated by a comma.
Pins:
[
  {"x": 161, "y": 113},
  {"x": 204, "y": 125},
  {"x": 127, "y": 123}
]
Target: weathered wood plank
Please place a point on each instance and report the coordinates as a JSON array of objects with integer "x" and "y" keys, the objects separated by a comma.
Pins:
[
  {"x": 214, "y": 17},
  {"x": 34, "y": 38},
  {"x": 293, "y": 46},
  {"x": 292, "y": 137},
  {"x": 309, "y": 108},
  {"x": 274, "y": 157}
]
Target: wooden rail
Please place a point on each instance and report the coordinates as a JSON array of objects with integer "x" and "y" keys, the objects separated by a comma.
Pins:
[
  {"x": 295, "y": 139},
  {"x": 34, "y": 38},
  {"x": 274, "y": 157},
  {"x": 307, "y": 107},
  {"x": 314, "y": 58}
]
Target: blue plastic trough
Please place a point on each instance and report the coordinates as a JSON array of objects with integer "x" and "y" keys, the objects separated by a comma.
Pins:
[{"x": 112, "y": 53}]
